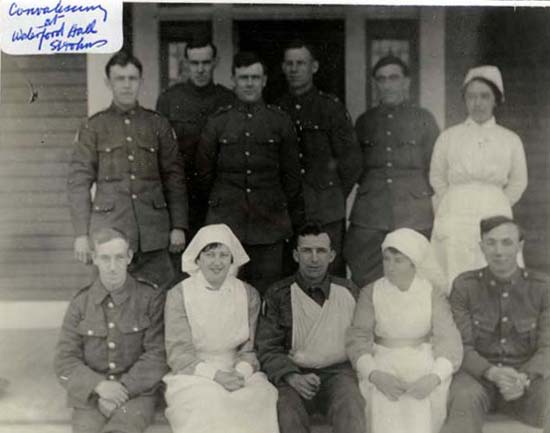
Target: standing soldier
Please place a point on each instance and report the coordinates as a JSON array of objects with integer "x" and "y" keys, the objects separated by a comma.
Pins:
[
  {"x": 131, "y": 156},
  {"x": 187, "y": 105},
  {"x": 329, "y": 153},
  {"x": 249, "y": 167},
  {"x": 397, "y": 139}
]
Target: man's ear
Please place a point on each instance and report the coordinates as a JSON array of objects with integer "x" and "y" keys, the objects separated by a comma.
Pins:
[
  {"x": 332, "y": 255},
  {"x": 130, "y": 255},
  {"x": 315, "y": 66},
  {"x": 295, "y": 255}
]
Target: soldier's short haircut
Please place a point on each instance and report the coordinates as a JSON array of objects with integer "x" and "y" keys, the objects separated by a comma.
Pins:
[
  {"x": 247, "y": 58},
  {"x": 107, "y": 234},
  {"x": 390, "y": 59},
  {"x": 490, "y": 223},
  {"x": 296, "y": 44},
  {"x": 200, "y": 43},
  {"x": 123, "y": 58},
  {"x": 311, "y": 228}
]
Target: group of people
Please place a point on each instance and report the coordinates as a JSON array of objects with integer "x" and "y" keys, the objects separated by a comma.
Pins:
[{"x": 262, "y": 329}]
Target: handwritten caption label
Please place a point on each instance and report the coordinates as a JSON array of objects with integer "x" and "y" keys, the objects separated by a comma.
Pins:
[{"x": 61, "y": 26}]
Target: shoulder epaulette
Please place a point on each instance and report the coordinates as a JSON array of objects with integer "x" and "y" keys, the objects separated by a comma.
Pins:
[
  {"x": 281, "y": 284},
  {"x": 475, "y": 274},
  {"x": 147, "y": 282},
  {"x": 539, "y": 277},
  {"x": 150, "y": 110},
  {"x": 82, "y": 290},
  {"x": 220, "y": 110},
  {"x": 98, "y": 114},
  {"x": 330, "y": 96},
  {"x": 277, "y": 109}
]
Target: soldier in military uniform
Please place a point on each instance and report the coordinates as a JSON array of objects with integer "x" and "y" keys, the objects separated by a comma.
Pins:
[
  {"x": 187, "y": 105},
  {"x": 110, "y": 356},
  {"x": 503, "y": 314},
  {"x": 132, "y": 157},
  {"x": 329, "y": 154},
  {"x": 249, "y": 168},
  {"x": 397, "y": 139}
]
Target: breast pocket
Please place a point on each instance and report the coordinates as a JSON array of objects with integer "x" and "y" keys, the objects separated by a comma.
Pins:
[
  {"x": 147, "y": 156},
  {"x": 111, "y": 157},
  {"x": 483, "y": 330},
  {"x": 316, "y": 135},
  {"x": 526, "y": 329},
  {"x": 410, "y": 153},
  {"x": 93, "y": 336},
  {"x": 132, "y": 336}
]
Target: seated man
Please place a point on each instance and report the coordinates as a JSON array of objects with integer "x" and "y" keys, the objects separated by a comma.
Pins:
[
  {"x": 110, "y": 356},
  {"x": 503, "y": 314},
  {"x": 301, "y": 338}
]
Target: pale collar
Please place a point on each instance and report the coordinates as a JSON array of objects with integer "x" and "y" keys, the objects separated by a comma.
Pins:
[{"x": 488, "y": 124}]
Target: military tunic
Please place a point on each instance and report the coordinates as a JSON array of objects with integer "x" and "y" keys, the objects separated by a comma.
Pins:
[
  {"x": 338, "y": 394},
  {"x": 249, "y": 170},
  {"x": 502, "y": 323},
  {"x": 330, "y": 160},
  {"x": 133, "y": 159},
  {"x": 394, "y": 190},
  {"x": 187, "y": 107},
  {"x": 113, "y": 336}
]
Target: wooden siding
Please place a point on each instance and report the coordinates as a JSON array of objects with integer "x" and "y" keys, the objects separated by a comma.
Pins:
[{"x": 36, "y": 235}]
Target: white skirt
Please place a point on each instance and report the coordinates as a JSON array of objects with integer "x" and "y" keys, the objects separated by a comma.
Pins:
[
  {"x": 407, "y": 414},
  {"x": 199, "y": 405}
]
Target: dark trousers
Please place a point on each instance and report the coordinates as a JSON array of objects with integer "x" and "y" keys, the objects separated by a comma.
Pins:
[
  {"x": 134, "y": 416},
  {"x": 470, "y": 400},
  {"x": 265, "y": 266},
  {"x": 338, "y": 398},
  {"x": 363, "y": 254},
  {"x": 336, "y": 232},
  {"x": 155, "y": 267}
]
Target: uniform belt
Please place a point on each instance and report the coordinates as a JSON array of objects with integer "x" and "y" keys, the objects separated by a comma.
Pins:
[{"x": 393, "y": 343}]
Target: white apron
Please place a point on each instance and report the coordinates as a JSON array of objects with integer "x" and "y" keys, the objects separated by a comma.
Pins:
[
  {"x": 403, "y": 315},
  {"x": 319, "y": 333},
  {"x": 456, "y": 236},
  {"x": 219, "y": 324}
]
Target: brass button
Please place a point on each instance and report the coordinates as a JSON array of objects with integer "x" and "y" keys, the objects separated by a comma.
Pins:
[
  {"x": 388, "y": 149},
  {"x": 108, "y": 149},
  {"x": 502, "y": 340},
  {"x": 388, "y": 133},
  {"x": 300, "y": 155},
  {"x": 504, "y": 319},
  {"x": 303, "y": 171},
  {"x": 248, "y": 190},
  {"x": 247, "y": 134},
  {"x": 247, "y": 153},
  {"x": 111, "y": 325},
  {"x": 132, "y": 177},
  {"x": 111, "y": 305},
  {"x": 249, "y": 115},
  {"x": 128, "y": 139},
  {"x": 505, "y": 294},
  {"x": 248, "y": 171},
  {"x": 389, "y": 164},
  {"x": 130, "y": 157},
  {"x": 493, "y": 283},
  {"x": 111, "y": 345},
  {"x": 389, "y": 180},
  {"x": 134, "y": 196},
  {"x": 135, "y": 329},
  {"x": 152, "y": 149},
  {"x": 90, "y": 332},
  {"x": 127, "y": 121},
  {"x": 390, "y": 116},
  {"x": 298, "y": 106},
  {"x": 111, "y": 377},
  {"x": 112, "y": 365}
]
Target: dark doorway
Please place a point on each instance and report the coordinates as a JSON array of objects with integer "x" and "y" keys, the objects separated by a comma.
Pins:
[{"x": 268, "y": 39}]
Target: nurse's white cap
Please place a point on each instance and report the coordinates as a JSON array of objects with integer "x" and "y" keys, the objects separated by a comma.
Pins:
[{"x": 487, "y": 72}]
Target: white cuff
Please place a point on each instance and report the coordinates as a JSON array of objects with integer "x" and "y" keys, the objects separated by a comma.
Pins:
[
  {"x": 205, "y": 370},
  {"x": 245, "y": 369},
  {"x": 442, "y": 368},
  {"x": 365, "y": 365}
]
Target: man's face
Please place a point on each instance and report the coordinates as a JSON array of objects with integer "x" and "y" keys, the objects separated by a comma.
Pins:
[
  {"x": 299, "y": 66},
  {"x": 124, "y": 83},
  {"x": 480, "y": 101},
  {"x": 314, "y": 255},
  {"x": 392, "y": 85},
  {"x": 201, "y": 63},
  {"x": 500, "y": 247},
  {"x": 112, "y": 259},
  {"x": 249, "y": 82}
]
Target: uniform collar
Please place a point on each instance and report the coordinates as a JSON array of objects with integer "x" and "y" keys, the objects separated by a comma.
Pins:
[
  {"x": 304, "y": 97},
  {"x": 385, "y": 109},
  {"x": 307, "y": 287},
  {"x": 491, "y": 280},
  {"x": 248, "y": 107},
  {"x": 117, "y": 110},
  {"x": 98, "y": 292},
  {"x": 202, "y": 91},
  {"x": 491, "y": 122}
]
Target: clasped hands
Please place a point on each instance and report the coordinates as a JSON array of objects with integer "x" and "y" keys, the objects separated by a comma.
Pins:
[
  {"x": 112, "y": 395},
  {"x": 510, "y": 382},
  {"x": 393, "y": 387},
  {"x": 231, "y": 380}
]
